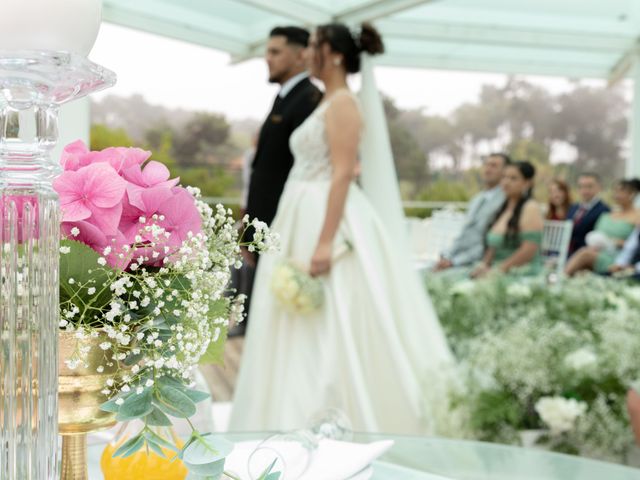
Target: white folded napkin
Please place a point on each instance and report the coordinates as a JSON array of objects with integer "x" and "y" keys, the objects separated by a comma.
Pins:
[{"x": 332, "y": 460}]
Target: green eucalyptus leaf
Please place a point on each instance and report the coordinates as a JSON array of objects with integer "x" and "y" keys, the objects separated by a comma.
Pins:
[
  {"x": 172, "y": 382},
  {"x": 173, "y": 402},
  {"x": 177, "y": 383},
  {"x": 132, "y": 359},
  {"x": 196, "y": 396},
  {"x": 130, "y": 447},
  {"x": 271, "y": 476},
  {"x": 207, "y": 449},
  {"x": 136, "y": 406},
  {"x": 268, "y": 474},
  {"x": 111, "y": 405},
  {"x": 195, "y": 476},
  {"x": 158, "y": 419},
  {"x": 158, "y": 439},
  {"x": 155, "y": 447},
  {"x": 206, "y": 455},
  {"x": 208, "y": 470},
  {"x": 185, "y": 446}
]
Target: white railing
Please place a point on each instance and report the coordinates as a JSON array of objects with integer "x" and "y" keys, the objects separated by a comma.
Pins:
[{"x": 431, "y": 205}]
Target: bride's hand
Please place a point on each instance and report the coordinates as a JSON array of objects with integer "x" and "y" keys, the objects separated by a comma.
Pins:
[{"x": 321, "y": 260}]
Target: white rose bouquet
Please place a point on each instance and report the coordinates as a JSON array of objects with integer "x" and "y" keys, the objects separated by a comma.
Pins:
[{"x": 296, "y": 290}]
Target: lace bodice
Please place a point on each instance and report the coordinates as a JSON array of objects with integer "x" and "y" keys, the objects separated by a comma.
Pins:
[{"x": 310, "y": 147}]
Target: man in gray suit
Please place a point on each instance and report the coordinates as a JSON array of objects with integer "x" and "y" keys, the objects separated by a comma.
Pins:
[{"x": 468, "y": 248}]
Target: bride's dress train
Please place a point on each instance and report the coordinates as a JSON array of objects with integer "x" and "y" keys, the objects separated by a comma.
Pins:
[{"x": 376, "y": 350}]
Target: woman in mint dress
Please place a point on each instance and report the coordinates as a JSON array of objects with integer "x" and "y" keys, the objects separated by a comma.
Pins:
[
  {"x": 610, "y": 233},
  {"x": 514, "y": 238}
]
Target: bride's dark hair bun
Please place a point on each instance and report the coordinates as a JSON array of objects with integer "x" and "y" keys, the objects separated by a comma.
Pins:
[
  {"x": 370, "y": 40},
  {"x": 341, "y": 40}
]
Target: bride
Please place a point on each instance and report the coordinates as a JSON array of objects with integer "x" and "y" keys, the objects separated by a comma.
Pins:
[{"x": 375, "y": 350}]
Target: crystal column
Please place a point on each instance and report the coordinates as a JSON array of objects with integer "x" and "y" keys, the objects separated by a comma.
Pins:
[{"x": 32, "y": 86}]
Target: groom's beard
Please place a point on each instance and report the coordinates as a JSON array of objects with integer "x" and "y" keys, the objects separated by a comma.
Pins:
[
  {"x": 277, "y": 78},
  {"x": 282, "y": 77}
]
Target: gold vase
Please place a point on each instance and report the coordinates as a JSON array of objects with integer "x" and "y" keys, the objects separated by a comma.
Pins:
[{"x": 79, "y": 400}]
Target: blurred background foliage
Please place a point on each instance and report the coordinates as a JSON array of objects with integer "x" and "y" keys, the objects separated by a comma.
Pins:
[{"x": 437, "y": 157}]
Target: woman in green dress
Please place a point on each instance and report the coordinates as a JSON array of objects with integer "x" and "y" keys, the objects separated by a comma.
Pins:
[
  {"x": 514, "y": 238},
  {"x": 610, "y": 233}
]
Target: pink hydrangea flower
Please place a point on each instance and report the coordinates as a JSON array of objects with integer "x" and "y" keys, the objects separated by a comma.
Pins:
[
  {"x": 92, "y": 193},
  {"x": 154, "y": 174},
  {"x": 114, "y": 199},
  {"x": 76, "y": 155},
  {"x": 172, "y": 209}
]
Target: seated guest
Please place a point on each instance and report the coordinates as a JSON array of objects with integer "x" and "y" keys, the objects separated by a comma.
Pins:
[
  {"x": 636, "y": 200},
  {"x": 586, "y": 213},
  {"x": 469, "y": 246},
  {"x": 514, "y": 237},
  {"x": 633, "y": 407},
  {"x": 559, "y": 200},
  {"x": 612, "y": 229},
  {"x": 628, "y": 260}
]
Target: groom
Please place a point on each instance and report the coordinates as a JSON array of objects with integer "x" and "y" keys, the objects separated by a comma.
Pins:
[{"x": 298, "y": 97}]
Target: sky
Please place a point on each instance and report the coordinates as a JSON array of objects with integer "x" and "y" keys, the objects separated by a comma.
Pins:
[{"x": 177, "y": 74}]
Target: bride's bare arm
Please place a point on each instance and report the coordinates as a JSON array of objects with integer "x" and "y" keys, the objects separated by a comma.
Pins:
[{"x": 343, "y": 125}]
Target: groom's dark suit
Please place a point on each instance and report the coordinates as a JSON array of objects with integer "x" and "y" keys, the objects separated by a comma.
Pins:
[
  {"x": 273, "y": 161},
  {"x": 273, "y": 158}
]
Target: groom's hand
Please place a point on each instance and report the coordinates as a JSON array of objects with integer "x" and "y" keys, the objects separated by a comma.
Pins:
[{"x": 321, "y": 260}]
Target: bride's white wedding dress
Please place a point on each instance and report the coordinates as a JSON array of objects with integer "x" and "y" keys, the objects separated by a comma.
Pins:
[{"x": 376, "y": 350}]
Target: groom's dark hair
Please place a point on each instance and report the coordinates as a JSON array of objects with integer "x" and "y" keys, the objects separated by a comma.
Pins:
[{"x": 294, "y": 35}]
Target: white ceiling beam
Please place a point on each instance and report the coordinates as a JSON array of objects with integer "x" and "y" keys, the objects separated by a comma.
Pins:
[
  {"x": 528, "y": 17},
  {"x": 375, "y": 9},
  {"x": 624, "y": 64},
  {"x": 491, "y": 65},
  {"x": 367, "y": 12},
  {"x": 181, "y": 13},
  {"x": 501, "y": 36},
  {"x": 154, "y": 22},
  {"x": 295, "y": 10},
  {"x": 252, "y": 51}
]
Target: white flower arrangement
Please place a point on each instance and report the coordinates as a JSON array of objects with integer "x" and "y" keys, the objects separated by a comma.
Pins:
[
  {"x": 560, "y": 413},
  {"x": 578, "y": 340},
  {"x": 581, "y": 360},
  {"x": 146, "y": 264},
  {"x": 519, "y": 290}
]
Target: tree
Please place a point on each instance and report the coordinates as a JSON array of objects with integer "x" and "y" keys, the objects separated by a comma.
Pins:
[
  {"x": 213, "y": 181},
  {"x": 410, "y": 159},
  {"x": 201, "y": 135},
  {"x": 103, "y": 137},
  {"x": 594, "y": 121}
]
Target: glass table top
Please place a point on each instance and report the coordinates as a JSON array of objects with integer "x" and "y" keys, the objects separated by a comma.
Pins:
[{"x": 415, "y": 458}]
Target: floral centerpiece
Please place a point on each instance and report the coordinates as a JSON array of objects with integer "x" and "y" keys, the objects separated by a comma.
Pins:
[
  {"x": 556, "y": 358},
  {"x": 144, "y": 266}
]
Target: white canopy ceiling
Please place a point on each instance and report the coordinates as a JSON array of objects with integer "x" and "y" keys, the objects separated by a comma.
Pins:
[{"x": 574, "y": 38}]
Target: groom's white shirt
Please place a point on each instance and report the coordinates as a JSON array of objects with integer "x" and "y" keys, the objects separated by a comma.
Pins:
[{"x": 292, "y": 82}]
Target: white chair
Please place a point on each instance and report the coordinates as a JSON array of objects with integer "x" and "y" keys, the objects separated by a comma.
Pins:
[
  {"x": 556, "y": 238},
  {"x": 431, "y": 236}
]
